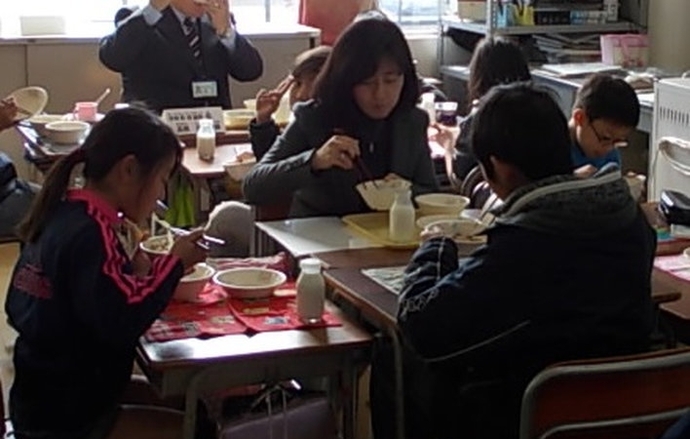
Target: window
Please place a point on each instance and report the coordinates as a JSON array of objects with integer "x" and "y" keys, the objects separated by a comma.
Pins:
[
  {"x": 413, "y": 13},
  {"x": 416, "y": 14},
  {"x": 81, "y": 13}
]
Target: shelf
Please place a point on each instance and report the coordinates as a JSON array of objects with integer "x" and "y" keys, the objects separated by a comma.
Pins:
[{"x": 482, "y": 28}]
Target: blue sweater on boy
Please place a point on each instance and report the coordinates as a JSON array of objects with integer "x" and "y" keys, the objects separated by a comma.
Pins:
[{"x": 580, "y": 159}]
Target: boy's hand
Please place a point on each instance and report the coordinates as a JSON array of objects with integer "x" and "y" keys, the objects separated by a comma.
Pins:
[{"x": 585, "y": 171}]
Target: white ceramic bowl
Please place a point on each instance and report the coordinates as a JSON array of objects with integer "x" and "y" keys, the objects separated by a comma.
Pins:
[
  {"x": 441, "y": 204},
  {"x": 250, "y": 104},
  {"x": 66, "y": 132},
  {"x": 238, "y": 119},
  {"x": 193, "y": 283},
  {"x": 39, "y": 122},
  {"x": 458, "y": 228},
  {"x": 380, "y": 194},
  {"x": 156, "y": 245},
  {"x": 424, "y": 221},
  {"x": 250, "y": 282},
  {"x": 31, "y": 99}
]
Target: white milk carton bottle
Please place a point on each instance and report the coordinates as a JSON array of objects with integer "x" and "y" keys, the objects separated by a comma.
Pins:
[
  {"x": 206, "y": 140},
  {"x": 311, "y": 291},
  {"x": 401, "y": 217}
]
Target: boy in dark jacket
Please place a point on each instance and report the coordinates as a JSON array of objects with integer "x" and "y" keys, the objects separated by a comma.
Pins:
[{"x": 565, "y": 273}]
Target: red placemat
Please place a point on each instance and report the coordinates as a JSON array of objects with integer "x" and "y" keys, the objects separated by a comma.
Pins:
[
  {"x": 675, "y": 265},
  {"x": 276, "y": 313},
  {"x": 210, "y": 316}
]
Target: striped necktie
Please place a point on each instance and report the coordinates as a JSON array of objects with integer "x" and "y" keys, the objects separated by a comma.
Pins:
[{"x": 191, "y": 32}]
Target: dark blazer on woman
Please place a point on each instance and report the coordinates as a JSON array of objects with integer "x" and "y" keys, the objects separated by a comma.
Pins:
[
  {"x": 158, "y": 67},
  {"x": 285, "y": 171}
]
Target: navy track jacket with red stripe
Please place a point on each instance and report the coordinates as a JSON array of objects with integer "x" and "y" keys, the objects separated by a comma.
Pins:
[{"x": 79, "y": 311}]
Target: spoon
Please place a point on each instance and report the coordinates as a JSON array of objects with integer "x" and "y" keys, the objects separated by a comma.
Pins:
[{"x": 103, "y": 95}]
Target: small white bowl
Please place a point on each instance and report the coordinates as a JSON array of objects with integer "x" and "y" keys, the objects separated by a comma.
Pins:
[
  {"x": 250, "y": 282},
  {"x": 156, "y": 245},
  {"x": 66, "y": 132},
  {"x": 250, "y": 104},
  {"x": 238, "y": 119},
  {"x": 424, "y": 221},
  {"x": 32, "y": 99},
  {"x": 380, "y": 194},
  {"x": 39, "y": 122},
  {"x": 193, "y": 283},
  {"x": 459, "y": 228},
  {"x": 441, "y": 204}
]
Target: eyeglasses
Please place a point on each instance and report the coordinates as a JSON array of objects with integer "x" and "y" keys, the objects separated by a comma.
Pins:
[{"x": 605, "y": 140}]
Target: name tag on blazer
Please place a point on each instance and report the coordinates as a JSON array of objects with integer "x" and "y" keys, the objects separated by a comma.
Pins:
[{"x": 204, "y": 89}]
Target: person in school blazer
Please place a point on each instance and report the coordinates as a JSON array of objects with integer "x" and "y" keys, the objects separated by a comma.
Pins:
[{"x": 158, "y": 68}]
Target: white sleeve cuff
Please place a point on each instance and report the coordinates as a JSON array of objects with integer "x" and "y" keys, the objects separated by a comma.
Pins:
[{"x": 151, "y": 14}]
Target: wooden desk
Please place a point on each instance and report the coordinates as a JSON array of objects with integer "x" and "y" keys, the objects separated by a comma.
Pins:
[{"x": 192, "y": 366}]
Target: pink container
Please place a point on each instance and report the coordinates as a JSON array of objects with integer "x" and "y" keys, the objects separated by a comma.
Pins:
[{"x": 86, "y": 111}]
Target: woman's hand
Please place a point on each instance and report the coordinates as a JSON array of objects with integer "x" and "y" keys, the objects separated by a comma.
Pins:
[
  {"x": 187, "y": 249},
  {"x": 268, "y": 101},
  {"x": 339, "y": 151}
]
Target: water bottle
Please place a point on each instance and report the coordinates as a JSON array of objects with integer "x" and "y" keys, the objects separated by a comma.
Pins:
[
  {"x": 311, "y": 291},
  {"x": 206, "y": 140},
  {"x": 401, "y": 218}
]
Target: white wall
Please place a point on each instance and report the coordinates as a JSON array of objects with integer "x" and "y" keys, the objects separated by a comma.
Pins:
[{"x": 669, "y": 34}]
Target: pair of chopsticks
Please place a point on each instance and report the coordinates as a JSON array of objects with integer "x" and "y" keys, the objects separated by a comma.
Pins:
[
  {"x": 363, "y": 171},
  {"x": 203, "y": 242}
]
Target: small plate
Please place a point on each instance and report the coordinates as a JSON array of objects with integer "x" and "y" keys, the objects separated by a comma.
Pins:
[{"x": 30, "y": 99}]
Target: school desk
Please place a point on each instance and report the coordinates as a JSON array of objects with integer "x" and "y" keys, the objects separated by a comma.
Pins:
[{"x": 191, "y": 367}]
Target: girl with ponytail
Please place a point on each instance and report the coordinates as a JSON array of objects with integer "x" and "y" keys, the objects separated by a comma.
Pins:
[{"x": 80, "y": 296}]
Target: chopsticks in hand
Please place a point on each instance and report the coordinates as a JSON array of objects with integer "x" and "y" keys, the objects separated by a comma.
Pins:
[{"x": 360, "y": 166}]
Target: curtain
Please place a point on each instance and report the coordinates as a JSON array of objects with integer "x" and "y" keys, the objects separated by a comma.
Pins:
[{"x": 331, "y": 16}]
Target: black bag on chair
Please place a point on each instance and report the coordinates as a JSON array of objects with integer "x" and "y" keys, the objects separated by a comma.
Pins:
[
  {"x": 15, "y": 198},
  {"x": 277, "y": 413}
]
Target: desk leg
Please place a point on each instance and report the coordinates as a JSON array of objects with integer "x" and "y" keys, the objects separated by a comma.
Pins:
[
  {"x": 399, "y": 384},
  {"x": 350, "y": 383}
]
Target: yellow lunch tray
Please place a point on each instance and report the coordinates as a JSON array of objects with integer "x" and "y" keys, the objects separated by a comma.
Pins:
[{"x": 374, "y": 226}]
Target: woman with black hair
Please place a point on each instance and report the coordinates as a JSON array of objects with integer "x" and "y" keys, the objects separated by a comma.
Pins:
[{"x": 364, "y": 109}]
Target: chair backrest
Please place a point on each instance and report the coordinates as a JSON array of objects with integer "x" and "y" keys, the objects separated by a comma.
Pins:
[{"x": 631, "y": 397}]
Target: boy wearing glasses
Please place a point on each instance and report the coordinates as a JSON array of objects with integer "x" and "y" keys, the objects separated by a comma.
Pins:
[{"x": 606, "y": 111}]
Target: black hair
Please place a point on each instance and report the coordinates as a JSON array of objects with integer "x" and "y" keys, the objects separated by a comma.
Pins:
[
  {"x": 604, "y": 97},
  {"x": 495, "y": 61},
  {"x": 355, "y": 57},
  {"x": 311, "y": 61},
  {"x": 130, "y": 131},
  {"x": 522, "y": 125}
]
